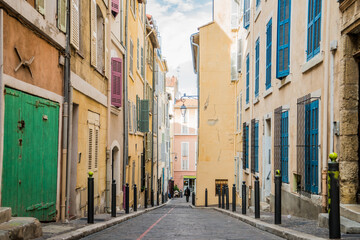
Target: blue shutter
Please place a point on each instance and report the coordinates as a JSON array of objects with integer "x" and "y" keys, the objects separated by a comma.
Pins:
[
  {"x": 314, "y": 28},
  {"x": 247, "y": 77},
  {"x": 268, "y": 54},
  {"x": 283, "y": 38},
  {"x": 257, "y": 55},
  {"x": 285, "y": 146},
  {"x": 256, "y": 130},
  {"x": 312, "y": 147},
  {"x": 246, "y": 14},
  {"x": 247, "y": 147}
]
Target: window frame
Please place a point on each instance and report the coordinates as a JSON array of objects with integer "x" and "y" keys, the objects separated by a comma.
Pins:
[
  {"x": 268, "y": 65},
  {"x": 285, "y": 72}
]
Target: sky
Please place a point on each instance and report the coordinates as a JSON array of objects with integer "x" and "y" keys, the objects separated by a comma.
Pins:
[{"x": 177, "y": 20}]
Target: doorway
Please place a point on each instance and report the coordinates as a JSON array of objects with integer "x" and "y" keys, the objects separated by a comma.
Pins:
[{"x": 266, "y": 188}]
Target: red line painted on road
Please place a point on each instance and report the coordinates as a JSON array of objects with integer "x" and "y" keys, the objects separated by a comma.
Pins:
[{"x": 143, "y": 235}]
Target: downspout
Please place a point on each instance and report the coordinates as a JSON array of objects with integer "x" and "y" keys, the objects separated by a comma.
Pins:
[
  {"x": 1, "y": 91},
  {"x": 333, "y": 48},
  {"x": 152, "y": 127},
  {"x": 157, "y": 133},
  {"x": 108, "y": 144},
  {"x": 125, "y": 151},
  {"x": 325, "y": 116},
  {"x": 65, "y": 129}
]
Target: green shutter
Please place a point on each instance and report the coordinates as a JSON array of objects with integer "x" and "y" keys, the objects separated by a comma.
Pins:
[
  {"x": 138, "y": 112},
  {"x": 144, "y": 115}
]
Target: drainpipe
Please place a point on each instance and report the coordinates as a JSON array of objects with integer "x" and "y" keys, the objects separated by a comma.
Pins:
[
  {"x": 152, "y": 125},
  {"x": 157, "y": 131},
  {"x": 333, "y": 48},
  {"x": 325, "y": 115},
  {"x": 1, "y": 91},
  {"x": 125, "y": 107}
]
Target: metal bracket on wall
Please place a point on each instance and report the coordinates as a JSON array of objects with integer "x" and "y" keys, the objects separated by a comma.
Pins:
[{"x": 24, "y": 63}]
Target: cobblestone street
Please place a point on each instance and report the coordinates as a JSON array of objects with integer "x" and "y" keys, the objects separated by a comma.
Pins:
[{"x": 178, "y": 220}]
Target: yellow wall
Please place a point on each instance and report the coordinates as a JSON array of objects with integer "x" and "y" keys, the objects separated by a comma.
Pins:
[{"x": 216, "y": 126}]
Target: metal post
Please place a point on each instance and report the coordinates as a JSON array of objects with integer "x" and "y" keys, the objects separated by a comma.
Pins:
[
  {"x": 234, "y": 198},
  {"x": 334, "y": 199},
  {"x": 277, "y": 197},
  {"x": 157, "y": 198},
  {"x": 257, "y": 198},
  {"x": 223, "y": 197},
  {"x": 206, "y": 197},
  {"x": 113, "y": 199},
  {"x": 90, "y": 198},
  {"x": 243, "y": 198},
  {"x": 135, "y": 198},
  {"x": 162, "y": 198},
  {"x": 127, "y": 198},
  {"x": 152, "y": 197},
  {"x": 227, "y": 197},
  {"x": 193, "y": 198},
  {"x": 219, "y": 195},
  {"x": 146, "y": 198}
]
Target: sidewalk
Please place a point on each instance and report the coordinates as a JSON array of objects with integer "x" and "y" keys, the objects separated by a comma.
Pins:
[
  {"x": 78, "y": 228},
  {"x": 291, "y": 227}
]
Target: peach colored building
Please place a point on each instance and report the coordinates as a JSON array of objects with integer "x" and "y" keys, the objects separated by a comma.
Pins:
[{"x": 185, "y": 143}]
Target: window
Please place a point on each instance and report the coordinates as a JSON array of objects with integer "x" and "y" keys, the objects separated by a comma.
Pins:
[
  {"x": 61, "y": 20},
  {"x": 184, "y": 155},
  {"x": 219, "y": 183},
  {"x": 247, "y": 78},
  {"x": 93, "y": 140},
  {"x": 257, "y": 55},
  {"x": 131, "y": 58},
  {"x": 246, "y": 14},
  {"x": 185, "y": 120},
  {"x": 268, "y": 54},
  {"x": 100, "y": 40},
  {"x": 234, "y": 72},
  {"x": 116, "y": 81},
  {"x": 245, "y": 146},
  {"x": 129, "y": 116},
  {"x": 138, "y": 55},
  {"x": 283, "y": 38},
  {"x": 256, "y": 146},
  {"x": 144, "y": 115},
  {"x": 284, "y": 146},
  {"x": 93, "y": 33},
  {"x": 313, "y": 28},
  {"x": 311, "y": 146},
  {"x": 258, "y": 3},
  {"x": 75, "y": 27},
  {"x": 142, "y": 63},
  {"x": 234, "y": 14},
  {"x": 239, "y": 54},
  {"x": 115, "y": 7},
  {"x": 40, "y": 6}
]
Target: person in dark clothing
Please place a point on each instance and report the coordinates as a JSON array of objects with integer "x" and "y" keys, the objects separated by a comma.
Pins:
[{"x": 187, "y": 194}]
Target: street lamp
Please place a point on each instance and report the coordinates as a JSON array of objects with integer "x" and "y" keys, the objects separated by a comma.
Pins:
[{"x": 183, "y": 107}]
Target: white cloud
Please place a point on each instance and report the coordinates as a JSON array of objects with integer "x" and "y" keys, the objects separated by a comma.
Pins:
[{"x": 177, "y": 20}]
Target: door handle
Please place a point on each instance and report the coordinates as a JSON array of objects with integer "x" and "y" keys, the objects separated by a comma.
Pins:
[{"x": 19, "y": 181}]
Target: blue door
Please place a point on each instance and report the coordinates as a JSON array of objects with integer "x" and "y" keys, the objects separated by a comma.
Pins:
[
  {"x": 285, "y": 146},
  {"x": 311, "y": 146}
]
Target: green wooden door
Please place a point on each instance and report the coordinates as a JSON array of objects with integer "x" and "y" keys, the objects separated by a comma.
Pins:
[{"x": 30, "y": 155}]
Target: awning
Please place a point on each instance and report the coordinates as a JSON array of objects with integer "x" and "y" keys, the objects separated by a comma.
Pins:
[{"x": 190, "y": 177}]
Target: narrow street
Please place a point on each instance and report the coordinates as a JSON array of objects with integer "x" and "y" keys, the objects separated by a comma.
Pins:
[{"x": 178, "y": 220}]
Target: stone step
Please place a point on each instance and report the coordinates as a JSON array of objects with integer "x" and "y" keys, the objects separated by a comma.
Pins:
[
  {"x": 21, "y": 228},
  {"x": 346, "y": 225},
  {"x": 5, "y": 214},
  {"x": 350, "y": 211}
]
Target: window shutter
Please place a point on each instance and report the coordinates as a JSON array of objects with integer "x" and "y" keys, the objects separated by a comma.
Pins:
[
  {"x": 277, "y": 138},
  {"x": 268, "y": 53},
  {"x": 40, "y": 6},
  {"x": 283, "y": 42},
  {"x": 233, "y": 64},
  {"x": 129, "y": 116},
  {"x": 75, "y": 24},
  {"x": 234, "y": 14},
  {"x": 96, "y": 147},
  {"x": 257, "y": 66},
  {"x": 247, "y": 78},
  {"x": 90, "y": 147},
  {"x": 253, "y": 145},
  {"x": 142, "y": 62},
  {"x": 93, "y": 30},
  {"x": 115, "y": 7},
  {"x": 131, "y": 57},
  {"x": 244, "y": 146},
  {"x": 144, "y": 118},
  {"x": 135, "y": 117},
  {"x": 239, "y": 55},
  {"x": 116, "y": 81},
  {"x": 61, "y": 21},
  {"x": 246, "y": 14},
  {"x": 138, "y": 111}
]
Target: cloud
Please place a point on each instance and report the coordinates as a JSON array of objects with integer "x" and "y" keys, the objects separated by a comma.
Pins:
[{"x": 177, "y": 20}]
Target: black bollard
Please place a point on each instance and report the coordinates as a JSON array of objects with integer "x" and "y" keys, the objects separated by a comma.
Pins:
[
  {"x": 223, "y": 198},
  {"x": 127, "y": 198},
  {"x": 193, "y": 198},
  {"x": 227, "y": 197},
  {"x": 277, "y": 197},
  {"x": 146, "y": 198},
  {"x": 243, "y": 197},
  {"x": 113, "y": 199},
  {"x": 135, "y": 198},
  {"x": 334, "y": 199},
  {"x": 162, "y": 198},
  {"x": 257, "y": 198},
  {"x": 206, "y": 197},
  {"x": 90, "y": 198},
  {"x": 157, "y": 198},
  {"x": 234, "y": 198},
  {"x": 152, "y": 197},
  {"x": 219, "y": 195}
]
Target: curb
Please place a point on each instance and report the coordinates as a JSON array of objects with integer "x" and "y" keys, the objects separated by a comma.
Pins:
[
  {"x": 271, "y": 228},
  {"x": 97, "y": 227}
]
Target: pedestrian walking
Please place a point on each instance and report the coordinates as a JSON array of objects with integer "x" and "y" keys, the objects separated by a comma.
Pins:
[{"x": 187, "y": 194}]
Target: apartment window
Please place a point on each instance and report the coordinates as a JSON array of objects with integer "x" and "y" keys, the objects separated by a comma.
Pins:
[
  {"x": 131, "y": 58},
  {"x": 283, "y": 36},
  {"x": 268, "y": 54},
  {"x": 116, "y": 81},
  {"x": 313, "y": 28},
  {"x": 219, "y": 183},
  {"x": 285, "y": 146},
  {"x": 245, "y": 146},
  {"x": 61, "y": 12},
  {"x": 142, "y": 63},
  {"x": 311, "y": 146},
  {"x": 93, "y": 140},
  {"x": 115, "y": 7},
  {"x": 234, "y": 14},
  {"x": 133, "y": 7},
  {"x": 137, "y": 55},
  {"x": 256, "y": 146},
  {"x": 184, "y": 155},
  {"x": 234, "y": 72},
  {"x": 40, "y": 5},
  {"x": 246, "y": 14},
  {"x": 129, "y": 116},
  {"x": 257, "y": 55},
  {"x": 247, "y": 78},
  {"x": 239, "y": 54}
]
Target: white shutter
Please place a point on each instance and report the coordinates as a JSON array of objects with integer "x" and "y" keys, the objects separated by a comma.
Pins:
[
  {"x": 93, "y": 32},
  {"x": 239, "y": 55},
  {"x": 237, "y": 114},
  {"x": 234, "y": 14},
  {"x": 75, "y": 24},
  {"x": 233, "y": 64}
]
